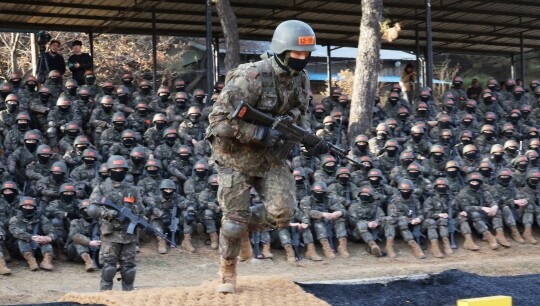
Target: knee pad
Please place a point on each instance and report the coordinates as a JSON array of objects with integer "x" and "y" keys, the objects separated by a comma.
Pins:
[
  {"x": 128, "y": 275},
  {"x": 475, "y": 216},
  {"x": 232, "y": 230},
  {"x": 208, "y": 214},
  {"x": 58, "y": 223},
  {"x": 108, "y": 273}
]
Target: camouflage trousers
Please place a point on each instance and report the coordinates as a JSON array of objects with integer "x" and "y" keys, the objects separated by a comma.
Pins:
[
  {"x": 436, "y": 228},
  {"x": 277, "y": 193},
  {"x": 113, "y": 253},
  {"x": 25, "y": 247},
  {"x": 74, "y": 251},
  {"x": 481, "y": 221},
  {"x": 366, "y": 233},
  {"x": 524, "y": 215},
  {"x": 402, "y": 224},
  {"x": 285, "y": 236},
  {"x": 321, "y": 228}
]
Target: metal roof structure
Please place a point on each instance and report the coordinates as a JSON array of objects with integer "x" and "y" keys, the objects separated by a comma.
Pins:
[{"x": 495, "y": 27}]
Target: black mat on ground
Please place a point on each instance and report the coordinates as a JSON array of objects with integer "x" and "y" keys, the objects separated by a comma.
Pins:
[{"x": 439, "y": 289}]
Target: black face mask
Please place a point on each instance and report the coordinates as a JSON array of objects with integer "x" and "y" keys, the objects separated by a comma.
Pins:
[
  {"x": 444, "y": 124},
  {"x": 421, "y": 112},
  {"x": 319, "y": 196},
  {"x": 31, "y": 146},
  {"x": 118, "y": 176},
  {"x": 497, "y": 157},
  {"x": 375, "y": 181},
  {"x": 22, "y": 126},
  {"x": 329, "y": 127},
  {"x": 137, "y": 160},
  {"x": 366, "y": 198},
  {"x": 488, "y": 101},
  {"x": 31, "y": 87},
  {"x": 471, "y": 155},
  {"x": 442, "y": 190},
  {"x": 512, "y": 151},
  {"x": 457, "y": 85},
  {"x": 406, "y": 194},
  {"x": 181, "y": 104},
  {"x": 343, "y": 180},
  {"x": 54, "y": 81},
  {"x": 180, "y": 88},
  {"x": 72, "y": 133},
  {"x": 475, "y": 187},
  {"x": 12, "y": 108},
  {"x": 72, "y": 91},
  {"x": 470, "y": 110},
  {"x": 453, "y": 173},
  {"x": 448, "y": 108},
  {"x": 145, "y": 90},
  {"x": 466, "y": 123},
  {"x": 89, "y": 80},
  {"x": 533, "y": 162},
  {"x": 164, "y": 98},
  {"x": 201, "y": 174},
  {"x": 488, "y": 136},
  {"x": 107, "y": 108},
  {"x": 64, "y": 109},
  {"x": 424, "y": 98},
  {"x": 127, "y": 83},
  {"x": 58, "y": 177},
  {"x": 391, "y": 152},
  {"x": 28, "y": 213},
  {"x": 142, "y": 112},
  {"x": 518, "y": 96},
  {"x": 123, "y": 99},
  {"x": 167, "y": 195},
  {"x": 329, "y": 169},
  {"x": 361, "y": 147},
  {"x": 89, "y": 161},
  {"x": 381, "y": 135},
  {"x": 393, "y": 101},
  {"x": 438, "y": 157},
  {"x": 43, "y": 159},
  {"x": 103, "y": 176},
  {"x": 466, "y": 141},
  {"x": 153, "y": 173},
  {"x": 170, "y": 141},
  {"x": 505, "y": 180},
  {"x": 194, "y": 118},
  {"x": 485, "y": 172},
  {"x": 67, "y": 198},
  {"x": 108, "y": 90},
  {"x": 403, "y": 116},
  {"x": 510, "y": 87},
  {"x": 214, "y": 187},
  {"x": 119, "y": 126},
  {"x": 514, "y": 119},
  {"x": 185, "y": 157},
  {"x": 533, "y": 182},
  {"x": 10, "y": 197},
  {"x": 161, "y": 125},
  {"x": 85, "y": 98},
  {"x": 445, "y": 140},
  {"x": 86, "y": 217},
  {"x": 299, "y": 182},
  {"x": 417, "y": 137},
  {"x": 414, "y": 174},
  {"x": 522, "y": 167},
  {"x": 298, "y": 64},
  {"x": 81, "y": 148}
]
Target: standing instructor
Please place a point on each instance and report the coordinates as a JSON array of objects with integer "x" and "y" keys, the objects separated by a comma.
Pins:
[{"x": 245, "y": 153}]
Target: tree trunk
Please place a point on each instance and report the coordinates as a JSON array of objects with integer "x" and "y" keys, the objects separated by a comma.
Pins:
[
  {"x": 33, "y": 51},
  {"x": 230, "y": 32},
  {"x": 366, "y": 74},
  {"x": 13, "y": 52}
]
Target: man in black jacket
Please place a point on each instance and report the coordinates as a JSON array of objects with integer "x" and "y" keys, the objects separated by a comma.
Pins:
[
  {"x": 79, "y": 62},
  {"x": 55, "y": 60}
]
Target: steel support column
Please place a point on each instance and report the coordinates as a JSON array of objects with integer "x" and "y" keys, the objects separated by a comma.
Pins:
[
  {"x": 91, "y": 39},
  {"x": 209, "y": 52},
  {"x": 329, "y": 68},
  {"x": 522, "y": 59},
  {"x": 429, "y": 46}
]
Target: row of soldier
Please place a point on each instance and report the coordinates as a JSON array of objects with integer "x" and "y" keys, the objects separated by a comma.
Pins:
[{"x": 172, "y": 147}]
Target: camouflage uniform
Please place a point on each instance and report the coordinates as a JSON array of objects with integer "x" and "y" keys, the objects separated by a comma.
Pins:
[{"x": 367, "y": 209}]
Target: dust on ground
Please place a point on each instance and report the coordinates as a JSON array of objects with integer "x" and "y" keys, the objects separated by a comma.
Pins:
[{"x": 178, "y": 268}]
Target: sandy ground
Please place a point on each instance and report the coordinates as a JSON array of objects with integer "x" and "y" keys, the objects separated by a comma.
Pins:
[{"x": 178, "y": 268}]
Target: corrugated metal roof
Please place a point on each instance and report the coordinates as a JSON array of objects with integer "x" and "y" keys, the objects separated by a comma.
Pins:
[{"x": 477, "y": 26}]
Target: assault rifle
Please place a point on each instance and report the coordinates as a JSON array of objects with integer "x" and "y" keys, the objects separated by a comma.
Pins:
[
  {"x": 451, "y": 223},
  {"x": 35, "y": 231},
  {"x": 417, "y": 231},
  {"x": 295, "y": 242},
  {"x": 94, "y": 251},
  {"x": 173, "y": 227},
  {"x": 125, "y": 214},
  {"x": 285, "y": 126},
  {"x": 330, "y": 233}
]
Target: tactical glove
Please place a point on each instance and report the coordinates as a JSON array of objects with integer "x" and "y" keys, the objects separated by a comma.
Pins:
[
  {"x": 266, "y": 137},
  {"x": 320, "y": 148}
]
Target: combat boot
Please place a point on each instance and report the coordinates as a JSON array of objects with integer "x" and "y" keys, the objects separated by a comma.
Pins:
[
  {"x": 162, "y": 246},
  {"x": 46, "y": 264},
  {"x": 469, "y": 244},
  {"x": 88, "y": 262},
  {"x": 7, "y": 255},
  {"x": 417, "y": 250},
  {"x": 491, "y": 240},
  {"x": 246, "y": 252},
  {"x": 311, "y": 252},
  {"x": 528, "y": 237},
  {"x": 446, "y": 246},
  {"x": 435, "y": 250},
  {"x": 374, "y": 249},
  {"x": 342, "y": 247},
  {"x": 501, "y": 238},
  {"x": 327, "y": 250},
  {"x": 31, "y": 260},
  {"x": 214, "y": 241},
  {"x": 290, "y": 253},
  {"x": 186, "y": 244},
  {"x": 515, "y": 234},
  {"x": 4, "y": 270},
  {"x": 227, "y": 276},
  {"x": 266, "y": 251},
  {"x": 390, "y": 247}
]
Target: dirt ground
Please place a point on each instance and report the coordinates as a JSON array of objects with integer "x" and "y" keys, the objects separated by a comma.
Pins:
[{"x": 178, "y": 268}]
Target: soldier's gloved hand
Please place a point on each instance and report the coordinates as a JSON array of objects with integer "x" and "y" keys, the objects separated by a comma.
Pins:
[
  {"x": 320, "y": 148},
  {"x": 266, "y": 137}
]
